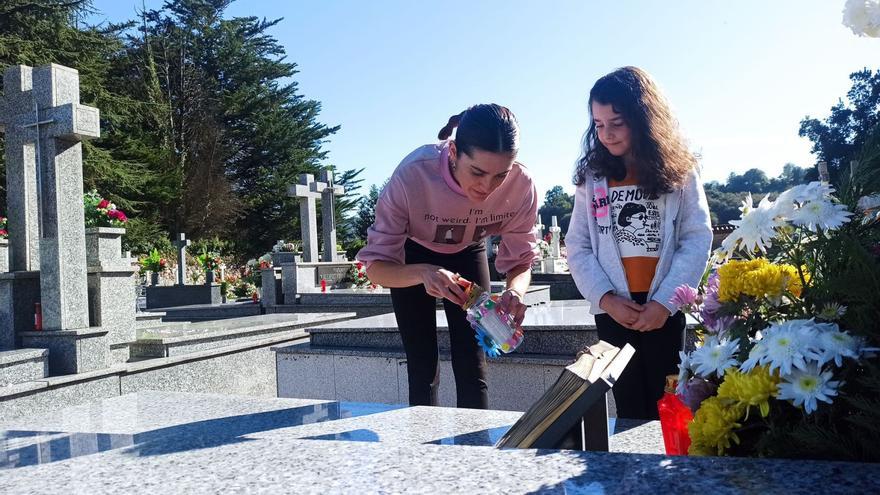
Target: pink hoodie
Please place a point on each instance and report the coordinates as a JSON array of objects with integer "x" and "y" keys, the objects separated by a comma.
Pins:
[{"x": 423, "y": 202}]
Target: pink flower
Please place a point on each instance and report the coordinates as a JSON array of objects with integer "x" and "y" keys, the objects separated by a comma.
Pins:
[
  {"x": 117, "y": 215},
  {"x": 684, "y": 297},
  {"x": 103, "y": 204},
  {"x": 3, "y": 232}
]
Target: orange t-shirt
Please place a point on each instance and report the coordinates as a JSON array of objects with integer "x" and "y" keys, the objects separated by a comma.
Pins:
[{"x": 636, "y": 225}]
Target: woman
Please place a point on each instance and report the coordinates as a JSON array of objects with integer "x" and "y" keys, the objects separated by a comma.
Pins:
[
  {"x": 432, "y": 218},
  {"x": 639, "y": 229}
]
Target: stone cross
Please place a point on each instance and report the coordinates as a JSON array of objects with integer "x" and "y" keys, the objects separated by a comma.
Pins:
[
  {"x": 181, "y": 243},
  {"x": 328, "y": 214},
  {"x": 45, "y": 125},
  {"x": 555, "y": 232},
  {"x": 308, "y": 191},
  {"x": 540, "y": 228}
]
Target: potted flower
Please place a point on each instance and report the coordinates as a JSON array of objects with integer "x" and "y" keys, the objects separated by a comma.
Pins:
[
  {"x": 105, "y": 226},
  {"x": 155, "y": 264},
  {"x": 357, "y": 274},
  {"x": 209, "y": 262},
  {"x": 285, "y": 252},
  {"x": 265, "y": 261}
]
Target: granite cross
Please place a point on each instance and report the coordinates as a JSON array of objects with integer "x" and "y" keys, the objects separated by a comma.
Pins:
[
  {"x": 308, "y": 191},
  {"x": 540, "y": 228},
  {"x": 328, "y": 216},
  {"x": 44, "y": 125},
  {"x": 555, "y": 232},
  {"x": 181, "y": 243}
]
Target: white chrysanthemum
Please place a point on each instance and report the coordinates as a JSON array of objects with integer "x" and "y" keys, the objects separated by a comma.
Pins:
[
  {"x": 756, "y": 227},
  {"x": 822, "y": 214},
  {"x": 789, "y": 344},
  {"x": 806, "y": 387},
  {"x": 714, "y": 356},
  {"x": 832, "y": 311},
  {"x": 835, "y": 345},
  {"x": 684, "y": 368},
  {"x": 756, "y": 355},
  {"x": 862, "y": 17}
]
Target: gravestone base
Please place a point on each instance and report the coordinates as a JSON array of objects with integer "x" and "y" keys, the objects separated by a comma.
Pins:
[
  {"x": 71, "y": 351},
  {"x": 112, "y": 306},
  {"x": 303, "y": 278},
  {"x": 183, "y": 295},
  {"x": 19, "y": 292},
  {"x": 271, "y": 290}
]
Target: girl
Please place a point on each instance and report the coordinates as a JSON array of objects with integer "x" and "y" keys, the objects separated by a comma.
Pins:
[
  {"x": 432, "y": 218},
  {"x": 639, "y": 229}
]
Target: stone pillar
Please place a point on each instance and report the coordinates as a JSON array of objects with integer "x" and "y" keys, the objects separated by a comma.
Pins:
[
  {"x": 328, "y": 215},
  {"x": 181, "y": 243},
  {"x": 17, "y": 116},
  {"x": 111, "y": 290},
  {"x": 555, "y": 235}
]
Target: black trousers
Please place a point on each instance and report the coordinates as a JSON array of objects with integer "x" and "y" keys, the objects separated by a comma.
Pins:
[
  {"x": 417, "y": 321},
  {"x": 641, "y": 384}
]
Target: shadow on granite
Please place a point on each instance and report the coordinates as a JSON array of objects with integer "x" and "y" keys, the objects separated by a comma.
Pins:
[{"x": 26, "y": 448}]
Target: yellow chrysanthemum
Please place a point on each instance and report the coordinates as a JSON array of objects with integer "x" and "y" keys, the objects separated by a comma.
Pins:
[
  {"x": 757, "y": 278},
  {"x": 750, "y": 389},
  {"x": 711, "y": 431}
]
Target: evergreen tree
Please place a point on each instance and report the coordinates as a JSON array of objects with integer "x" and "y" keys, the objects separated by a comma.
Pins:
[
  {"x": 239, "y": 130},
  {"x": 38, "y": 32}
]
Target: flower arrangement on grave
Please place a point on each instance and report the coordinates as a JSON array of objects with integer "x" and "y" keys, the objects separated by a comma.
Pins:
[
  {"x": 544, "y": 248},
  {"x": 285, "y": 247},
  {"x": 101, "y": 212},
  {"x": 4, "y": 234},
  {"x": 358, "y": 276},
  {"x": 243, "y": 288},
  {"x": 787, "y": 365},
  {"x": 209, "y": 261},
  {"x": 265, "y": 261},
  {"x": 153, "y": 262},
  {"x": 862, "y": 17}
]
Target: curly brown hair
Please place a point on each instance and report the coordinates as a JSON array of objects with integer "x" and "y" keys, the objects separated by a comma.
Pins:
[{"x": 657, "y": 146}]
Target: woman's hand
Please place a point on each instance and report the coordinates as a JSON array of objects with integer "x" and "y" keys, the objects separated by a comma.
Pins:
[
  {"x": 512, "y": 304},
  {"x": 440, "y": 282},
  {"x": 654, "y": 316},
  {"x": 622, "y": 310}
]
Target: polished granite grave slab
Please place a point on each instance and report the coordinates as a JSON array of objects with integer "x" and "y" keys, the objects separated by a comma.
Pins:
[
  {"x": 154, "y": 442},
  {"x": 178, "y": 338}
]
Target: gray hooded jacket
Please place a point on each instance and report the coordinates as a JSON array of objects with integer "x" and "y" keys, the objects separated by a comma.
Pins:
[{"x": 593, "y": 255}]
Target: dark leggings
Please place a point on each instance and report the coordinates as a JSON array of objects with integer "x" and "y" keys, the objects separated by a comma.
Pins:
[
  {"x": 417, "y": 321},
  {"x": 641, "y": 384}
]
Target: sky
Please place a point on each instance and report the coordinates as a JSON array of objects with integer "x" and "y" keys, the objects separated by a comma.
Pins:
[{"x": 740, "y": 75}]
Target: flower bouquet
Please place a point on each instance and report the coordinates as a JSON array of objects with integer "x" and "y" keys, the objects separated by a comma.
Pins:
[
  {"x": 101, "y": 212},
  {"x": 153, "y": 262},
  {"x": 787, "y": 363},
  {"x": 4, "y": 233},
  {"x": 358, "y": 276},
  {"x": 209, "y": 263}
]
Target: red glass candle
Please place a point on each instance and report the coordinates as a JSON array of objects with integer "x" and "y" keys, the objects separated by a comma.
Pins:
[{"x": 674, "y": 420}]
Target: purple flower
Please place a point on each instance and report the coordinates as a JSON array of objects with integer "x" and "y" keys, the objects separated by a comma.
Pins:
[
  {"x": 696, "y": 390},
  {"x": 684, "y": 297}
]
